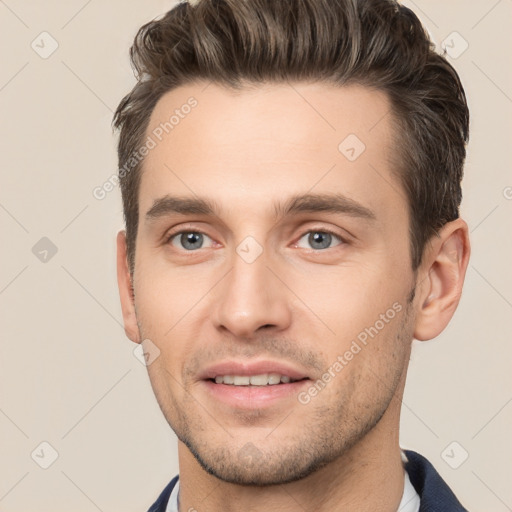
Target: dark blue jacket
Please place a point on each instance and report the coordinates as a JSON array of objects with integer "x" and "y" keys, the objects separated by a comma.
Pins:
[{"x": 434, "y": 494}]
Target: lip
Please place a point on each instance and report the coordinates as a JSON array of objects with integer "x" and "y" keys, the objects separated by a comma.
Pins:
[
  {"x": 251, "y": 368},
  {"x": 252, "y": 397}
]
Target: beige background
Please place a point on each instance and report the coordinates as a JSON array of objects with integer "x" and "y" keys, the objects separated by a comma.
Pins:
[{"x": 68, "y": 375}]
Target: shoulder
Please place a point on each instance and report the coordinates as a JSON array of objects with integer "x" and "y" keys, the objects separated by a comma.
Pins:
[{"x": 435, "y": 495}]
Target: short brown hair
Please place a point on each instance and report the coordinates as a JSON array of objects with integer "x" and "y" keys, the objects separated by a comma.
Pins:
[{"x": 375, "y": 43}]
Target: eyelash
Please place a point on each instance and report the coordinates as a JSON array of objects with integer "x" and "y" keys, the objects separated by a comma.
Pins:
[{"x": 323, "y": 230}]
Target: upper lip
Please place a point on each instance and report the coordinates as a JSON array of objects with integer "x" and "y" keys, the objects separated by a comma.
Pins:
[{"x": 251, "y": 368}]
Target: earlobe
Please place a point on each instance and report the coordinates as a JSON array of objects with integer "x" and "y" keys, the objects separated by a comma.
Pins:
[
  {"x": 124, "y": 282},
  {"x": 445, "y": 265}
]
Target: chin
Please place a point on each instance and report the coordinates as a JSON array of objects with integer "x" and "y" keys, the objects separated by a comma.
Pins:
[{"x": 251, "y": 466}]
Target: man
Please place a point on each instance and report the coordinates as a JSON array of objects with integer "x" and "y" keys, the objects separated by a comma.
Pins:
[{"x": 290, "y": 172}]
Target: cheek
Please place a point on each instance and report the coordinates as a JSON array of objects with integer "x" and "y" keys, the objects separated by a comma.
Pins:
[
  {"x": 347, "y": 299},
  {"x": 171, "y": 306},
  {"x": 164, "y": 296}
]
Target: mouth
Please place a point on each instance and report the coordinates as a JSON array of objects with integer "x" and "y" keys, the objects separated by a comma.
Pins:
[
  {"x": 254, "y": 385},
  {"x": 261, "y": 380}
]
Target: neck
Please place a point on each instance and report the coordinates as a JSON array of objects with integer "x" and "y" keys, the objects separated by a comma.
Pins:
[{"x": 368, "y": 477}]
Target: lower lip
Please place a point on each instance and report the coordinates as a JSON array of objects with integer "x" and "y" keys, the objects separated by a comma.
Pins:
[{"x": 253, "y": 397}]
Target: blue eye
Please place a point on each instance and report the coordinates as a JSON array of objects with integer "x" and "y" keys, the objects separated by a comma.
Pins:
[
  {"x": 188, "y": 240},
  {"x": 319, "y": 240}
]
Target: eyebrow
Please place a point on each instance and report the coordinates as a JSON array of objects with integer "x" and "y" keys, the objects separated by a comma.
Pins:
[{"x": 304, "y": 203}]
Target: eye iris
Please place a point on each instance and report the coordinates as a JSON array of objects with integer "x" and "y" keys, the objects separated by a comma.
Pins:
[
  {"x": 323, "y": 239},
  {"x": 191, "y": 240}
]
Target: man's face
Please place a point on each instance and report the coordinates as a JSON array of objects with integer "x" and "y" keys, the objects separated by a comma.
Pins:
[{"x": 271, "y": 282}]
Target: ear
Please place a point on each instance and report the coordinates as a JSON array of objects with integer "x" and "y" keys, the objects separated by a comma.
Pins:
[
  {"x": 124, "y": 282},
  {"x": 441, "y": 278}
]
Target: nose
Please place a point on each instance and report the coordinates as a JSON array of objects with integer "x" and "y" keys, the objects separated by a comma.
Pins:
[{"x": 251, "y": 298}]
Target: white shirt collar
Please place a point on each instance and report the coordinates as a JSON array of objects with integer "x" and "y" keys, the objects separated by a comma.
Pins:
[{"x": 410, "y": 499}]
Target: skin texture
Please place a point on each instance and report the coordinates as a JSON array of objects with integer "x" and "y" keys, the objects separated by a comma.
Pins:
[{"x": 295, "y": 303}]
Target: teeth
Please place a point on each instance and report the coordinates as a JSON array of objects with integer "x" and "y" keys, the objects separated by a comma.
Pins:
[
  {"x": 259, "y": 380},
  {"x": 274, "y": 378},
  {"x": 241, "y": 380},
  {"x": 253, "y": 380}
]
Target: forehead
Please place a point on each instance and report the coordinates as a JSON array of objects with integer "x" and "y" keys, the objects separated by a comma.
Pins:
[{"x": 249, "y": 148}]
